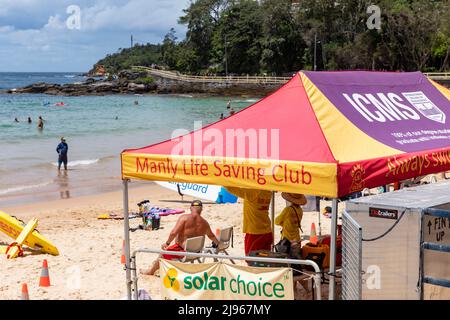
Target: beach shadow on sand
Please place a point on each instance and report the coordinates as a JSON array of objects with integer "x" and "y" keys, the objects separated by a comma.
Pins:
[{"x": 26, "y": 250}]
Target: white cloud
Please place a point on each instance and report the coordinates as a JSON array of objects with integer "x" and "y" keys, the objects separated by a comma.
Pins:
[
  {"x": 34, "y": 35},
  {"x": 133, "y": 15},
  {"x": 55, "y": 23}
]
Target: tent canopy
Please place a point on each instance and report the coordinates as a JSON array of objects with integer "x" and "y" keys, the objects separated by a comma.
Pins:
[{"x": 323, "y": 133}]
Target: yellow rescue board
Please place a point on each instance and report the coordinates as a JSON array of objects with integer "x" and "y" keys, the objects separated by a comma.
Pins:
[
  {"x": 29, "y": 228},
  {"x": 13, "y": 227}
]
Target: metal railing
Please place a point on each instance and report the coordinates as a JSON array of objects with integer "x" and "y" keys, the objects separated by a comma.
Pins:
[
  {"x": 245, "y": 79},
  {"x": 438, "y": 75},
  {"x": 214, "y": 79},
  {"x": 133, "y": 265}
]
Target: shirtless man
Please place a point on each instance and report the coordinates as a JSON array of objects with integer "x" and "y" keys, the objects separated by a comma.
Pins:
[{"x": 188, "y": 226}]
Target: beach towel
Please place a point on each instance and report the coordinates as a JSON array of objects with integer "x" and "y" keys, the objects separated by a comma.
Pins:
[{"x": 162, "y": 212}]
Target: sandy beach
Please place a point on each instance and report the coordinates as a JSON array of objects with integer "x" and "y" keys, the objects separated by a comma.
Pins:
[{"x": 88, "y": 266}]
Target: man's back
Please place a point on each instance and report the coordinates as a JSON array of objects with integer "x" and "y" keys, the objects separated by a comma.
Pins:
[{"x": 192, "y": 225}]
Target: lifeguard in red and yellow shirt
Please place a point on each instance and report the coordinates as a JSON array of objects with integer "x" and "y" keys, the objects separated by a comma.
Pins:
[{"x": 256, "y": 221}]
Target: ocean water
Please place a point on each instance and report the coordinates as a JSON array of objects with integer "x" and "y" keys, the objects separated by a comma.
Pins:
[
  {"x": 11, "y": 80},
  {"x": 97, "y": 129}
]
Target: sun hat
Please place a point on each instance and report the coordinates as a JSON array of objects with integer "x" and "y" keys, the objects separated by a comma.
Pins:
[{"x": 295, "y": 198}]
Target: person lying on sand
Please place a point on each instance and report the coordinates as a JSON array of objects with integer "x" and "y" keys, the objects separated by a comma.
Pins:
[{"x": 187, "y": 226}]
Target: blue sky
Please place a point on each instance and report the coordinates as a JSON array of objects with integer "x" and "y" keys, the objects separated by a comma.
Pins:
[{"x": 34, "y": 34}]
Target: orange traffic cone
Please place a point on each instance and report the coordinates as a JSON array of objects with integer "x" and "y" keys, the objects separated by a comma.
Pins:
[
  {"x": 313, "y": 237},
  {"x": 44, "y": 281},
  {"x": 25, "y": 295},
  {"x": 122, "y": 258}
]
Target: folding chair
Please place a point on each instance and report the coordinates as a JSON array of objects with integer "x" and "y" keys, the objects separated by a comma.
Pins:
[
  {"x": 194, "y": 245},
  {"x": 225, "y": 240}
]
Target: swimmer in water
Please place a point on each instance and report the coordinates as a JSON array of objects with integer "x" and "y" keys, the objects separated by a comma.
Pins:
[
  {"x": 16, "y": 120},
  {"x": 29, "y": 120},
  {"x": 40, "y": 123}
]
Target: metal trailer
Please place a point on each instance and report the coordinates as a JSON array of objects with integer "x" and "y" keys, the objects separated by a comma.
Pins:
[{"x": 396, "y": 245}]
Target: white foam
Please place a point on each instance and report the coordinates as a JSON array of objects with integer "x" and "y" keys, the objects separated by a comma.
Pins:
[
  {"x": 22, "y": 188},
  {"x": 77, "y": 163},
  {"x": 245, "y": 101}
]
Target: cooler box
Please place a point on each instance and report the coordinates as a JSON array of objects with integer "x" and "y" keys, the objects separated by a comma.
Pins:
[{"x": 319, "y": 253}]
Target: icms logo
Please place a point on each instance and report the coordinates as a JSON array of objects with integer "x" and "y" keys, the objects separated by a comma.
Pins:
[
  {"x": 389, "y": 107},
  {"x": 425, "y": 106}
]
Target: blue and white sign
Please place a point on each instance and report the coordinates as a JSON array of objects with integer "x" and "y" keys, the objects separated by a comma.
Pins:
[{"x": 208, "y": 192}]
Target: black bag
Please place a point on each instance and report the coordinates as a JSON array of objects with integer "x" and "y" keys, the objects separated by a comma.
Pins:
[
  {"x": 283, "y": 246},
  {"x": 156, "y": 222},
  {"x": 267, "y": 254}
]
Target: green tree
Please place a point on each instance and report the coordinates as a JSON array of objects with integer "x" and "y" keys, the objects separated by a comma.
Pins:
[
  {"x": 169, "y": 49},
  {"x": 272, "y": 36},
  {"x": 201, "y": 19},
  {"x": 139, "y": 55},
  {"x": 240, "y": 30},
  {"x": 282, "y": 43},
  {"x": 409, "y": 33}
]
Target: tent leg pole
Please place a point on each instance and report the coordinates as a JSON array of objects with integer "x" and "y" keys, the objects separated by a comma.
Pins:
[
  {"x": 318, "y": 210},
  {"x": 334, "y": 218},
  {"x": 126, "y": 226},
  {"x": 272, "y": 212}
]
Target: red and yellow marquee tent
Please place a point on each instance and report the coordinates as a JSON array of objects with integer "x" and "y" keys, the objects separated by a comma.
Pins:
[{"x": 323, "y": 133}]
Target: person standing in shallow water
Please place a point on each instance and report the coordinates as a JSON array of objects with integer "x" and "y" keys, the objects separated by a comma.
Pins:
[
  {"x": 40, "y": 123},
  {"x": 29, "y": 120},
  {"x": 62, "y": 150}
]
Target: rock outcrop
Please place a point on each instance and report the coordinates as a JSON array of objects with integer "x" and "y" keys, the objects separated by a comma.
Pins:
[
  {"x": 98, "y": 71},
  {"x": 126, "y": 83},
  {"x": 141, "y": 82},
  {"x": 153, "y": 81}
]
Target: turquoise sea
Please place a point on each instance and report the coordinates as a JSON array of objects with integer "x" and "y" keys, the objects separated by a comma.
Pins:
[{"x": 97, "y": 129}]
